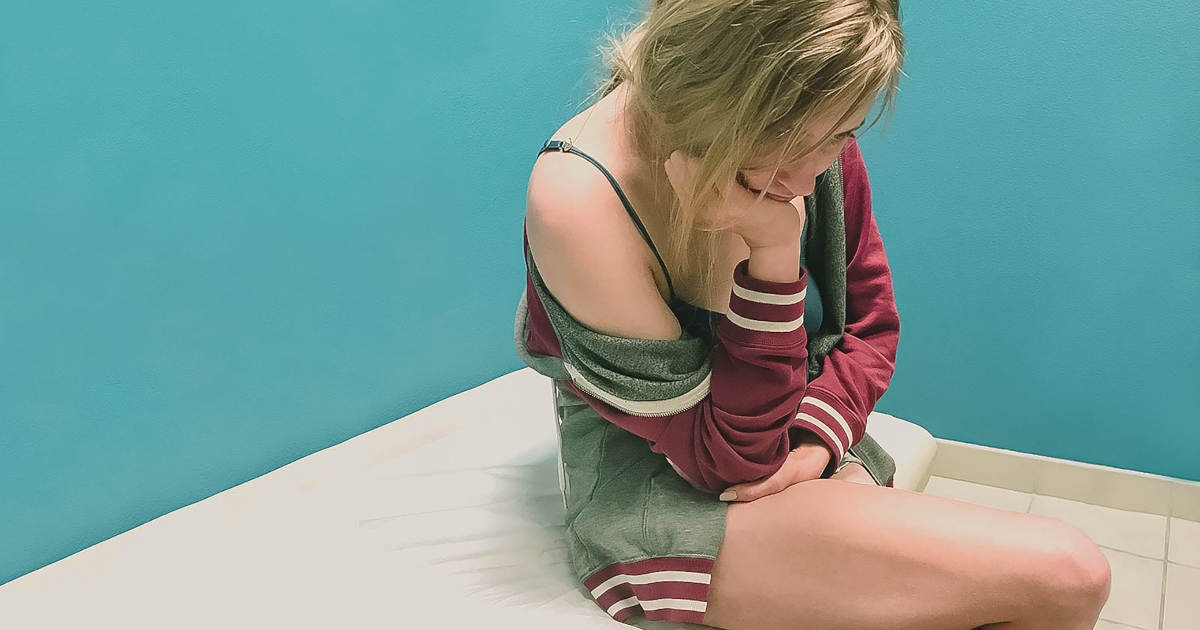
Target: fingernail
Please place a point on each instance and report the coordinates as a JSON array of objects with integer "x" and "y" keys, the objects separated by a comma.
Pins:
[{"x": 728, "y": 495}]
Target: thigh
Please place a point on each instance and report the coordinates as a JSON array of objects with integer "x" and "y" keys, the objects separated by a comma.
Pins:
[{"x": 828, "y": 553}]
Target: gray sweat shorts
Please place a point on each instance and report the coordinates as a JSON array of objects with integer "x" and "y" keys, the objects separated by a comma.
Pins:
[{"x": 641, "y": 540}]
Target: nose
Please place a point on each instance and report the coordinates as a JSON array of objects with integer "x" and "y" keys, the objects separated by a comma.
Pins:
[
  {"x": 807, "y": 189},
  {"x": 796, "y": 179},
  {"x": 793, "y": 183}
]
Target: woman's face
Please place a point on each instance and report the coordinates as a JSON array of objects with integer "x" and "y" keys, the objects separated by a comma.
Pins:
[{"x": 799, "y": 178}]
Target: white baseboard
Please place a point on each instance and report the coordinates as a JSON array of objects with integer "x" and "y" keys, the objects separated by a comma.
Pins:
[{"x": 1090, "y": 483}]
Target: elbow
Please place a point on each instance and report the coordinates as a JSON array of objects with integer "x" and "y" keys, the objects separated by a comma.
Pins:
[
  {"x": 727, "y": 450},
  {"x": 738, "y": 467},
  {"x": 686, "y": 478}
]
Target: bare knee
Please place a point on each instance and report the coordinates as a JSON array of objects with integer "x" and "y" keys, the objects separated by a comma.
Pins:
[
  {"x": 1091, "y": 576},
  {"x": 1074, "y": 574}
]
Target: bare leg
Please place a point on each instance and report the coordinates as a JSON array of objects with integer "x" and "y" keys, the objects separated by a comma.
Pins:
[{"x": 826, "y": 554}]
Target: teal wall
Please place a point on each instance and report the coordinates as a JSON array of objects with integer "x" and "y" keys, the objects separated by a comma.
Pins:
[
  {"x": 232, "y": 235},
  {"x": 1039, "y": 198}
]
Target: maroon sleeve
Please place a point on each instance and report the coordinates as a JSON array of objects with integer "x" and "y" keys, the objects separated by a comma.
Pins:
[
  {"x": 856, "y": 372},
  {"x": 738, "y": 432}
]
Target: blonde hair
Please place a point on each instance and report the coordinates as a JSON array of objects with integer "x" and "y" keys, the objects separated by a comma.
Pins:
[{"x": 729, "y": 80}]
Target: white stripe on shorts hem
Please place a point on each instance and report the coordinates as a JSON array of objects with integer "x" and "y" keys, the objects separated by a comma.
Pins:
[
  {"x": 658, "y": 604},
  {"x": 650, "y": 578}
]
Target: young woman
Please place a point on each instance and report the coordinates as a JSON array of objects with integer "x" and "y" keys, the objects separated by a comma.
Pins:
[{"x": 711, "y": 395}]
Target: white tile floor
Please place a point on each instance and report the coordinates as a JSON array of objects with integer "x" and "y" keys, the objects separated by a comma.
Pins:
[{"x": 1155, "y": 560}]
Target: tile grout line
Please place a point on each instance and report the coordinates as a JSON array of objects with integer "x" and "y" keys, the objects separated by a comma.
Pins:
[
  {"x": 1121, "y": 625},
  {"x": 1037, "y": 484},
  {"x": 1162, "y": 597},
  {"x": 1038, "y": 469},
  {"x": 1126, "y": 552},
  {"x": 1029, "y": 506}
]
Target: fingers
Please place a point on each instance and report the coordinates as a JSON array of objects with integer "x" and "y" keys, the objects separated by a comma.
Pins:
[
  {"x": 752, "y": 491},
  {"x": 679, "y": 173},
  {"x": 804, "y": 463}
]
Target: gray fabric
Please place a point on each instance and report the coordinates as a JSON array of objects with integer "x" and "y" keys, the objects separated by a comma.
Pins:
[
  {"x": 874, "y": 458},
  {"x": 631, "y": 369},
  {"x": 543, "y": 364},
  {"x": 624, "y": 502},
  {"x": 826, "y": 258}
]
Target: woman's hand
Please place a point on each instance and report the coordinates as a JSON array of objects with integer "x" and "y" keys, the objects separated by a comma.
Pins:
[{"x": 805, "y": 462}]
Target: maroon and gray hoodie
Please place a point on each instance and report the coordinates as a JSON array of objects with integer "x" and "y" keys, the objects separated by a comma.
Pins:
[{"x": 728, "y": 409}]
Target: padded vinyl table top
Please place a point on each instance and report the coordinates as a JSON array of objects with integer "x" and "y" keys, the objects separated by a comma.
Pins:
[{"x": 450, "y": 517}]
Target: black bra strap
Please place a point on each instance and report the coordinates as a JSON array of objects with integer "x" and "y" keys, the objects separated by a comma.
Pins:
[{"x": 567, "y": 147}]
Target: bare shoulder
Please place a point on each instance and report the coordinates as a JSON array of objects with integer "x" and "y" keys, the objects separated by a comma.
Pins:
[{"x": 588, "y": 252}]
